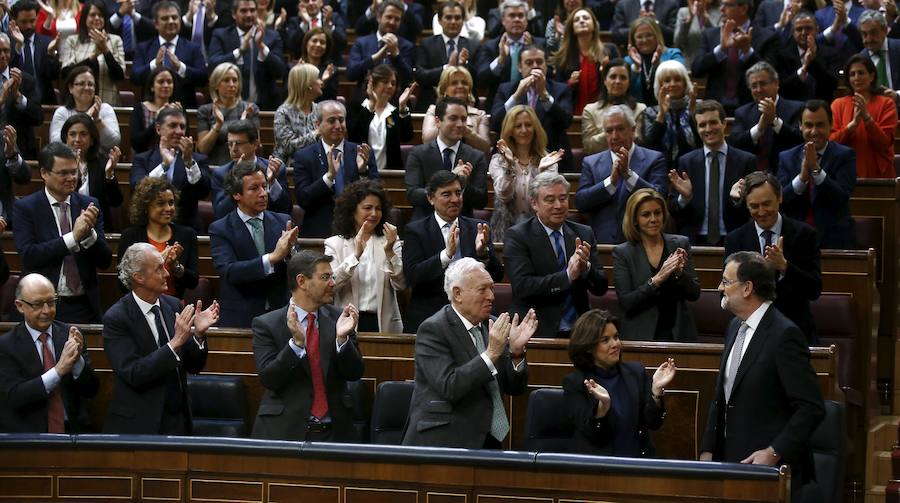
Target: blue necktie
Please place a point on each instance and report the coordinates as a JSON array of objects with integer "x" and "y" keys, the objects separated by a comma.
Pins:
[
  {"x": 199, "y": 19},
  {"x": 166, "y": 61},
  {"x": 448, "y": 161},
  {"x": 451, "y": 46},
  {"x": 568, "y": 317},
  {"x": 338, "y": 157},
  {"x": 127, "y": 41},
  {"x": 29, "y": 58}
]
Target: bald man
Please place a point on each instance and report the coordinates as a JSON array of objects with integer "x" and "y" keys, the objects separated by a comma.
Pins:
[{"x": 45, "y": 372}]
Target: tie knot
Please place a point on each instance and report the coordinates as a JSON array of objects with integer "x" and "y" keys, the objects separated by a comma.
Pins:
[
  {"x": 43, "y": 337},
  {"x": 155, "y": 310},
  {"x": 255, "y": 222},
  {"x": 63, "y": 205},
  {"x": 556, "y": 234},
  {"x": 310, "y": 318}
]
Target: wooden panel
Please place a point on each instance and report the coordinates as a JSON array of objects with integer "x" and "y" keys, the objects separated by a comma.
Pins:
[
  {"x": 94, "y": 487},
  {"x": 291, "y": 493},
  {"x": 434, "y": 497},
  {"x": 157, "y": 489},
  {"x": 229, "y": 491},
  {"x": 26, "y": 486},
  {"x": 490, "y": 498},
  {"x": 374, "y": 495}
]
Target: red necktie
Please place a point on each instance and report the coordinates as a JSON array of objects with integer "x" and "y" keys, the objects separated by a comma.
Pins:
[
  {"x": 55, "y": 414},
  {"x": 320, "y": 401}
]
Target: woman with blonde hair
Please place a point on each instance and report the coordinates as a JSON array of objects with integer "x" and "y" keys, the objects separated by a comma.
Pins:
[
  {"x": 646, "y": 50},
  {"x": 654, "y": 274},
  {"x": 58, "y": 18},
  {"x": 581, "y": 56},
  {"x": 456, "y": 82},
  {"x": 227, "y": 107},
  {"x": 295, "y": 123},
  {"x": 521, "y": 155}
]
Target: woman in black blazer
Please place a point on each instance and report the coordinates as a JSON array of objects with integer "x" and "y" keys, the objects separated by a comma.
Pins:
[
  {"x": 654, "y": 274},
  {"x": 153, "y": 206},
  {"x": 96, "y": 170},
  {"x": 379, "y": 123},
  {"x": 610, "y": 403}
]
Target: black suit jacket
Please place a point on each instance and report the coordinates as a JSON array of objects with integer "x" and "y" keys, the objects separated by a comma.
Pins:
[
  {"x": 106, "y": 191},
  {"x": 422, "y": 267},
  {"x": 43, "y": 250},
  {"x": 802, "y": 282},
  {"x": 185, "y": 236},
  {"x": 287, "y": 379},
  {"x": 189, "y": 53},
  {"x": 143, "y": 29},
  {"x": 313, "y": 195},
  {"x": 494, "y": 22},
  {"x": 490, "y": 49},
  {"x": 689, "y": 219},
  {"x": 747, "y": 116},
  {"x": 16, "y": 172},
  {"x": 707, "y": 65},
  {"x": 399, "y": 131},
  {"x": 24, "y": 119},
  {"x": 292, "y": 33},
  {"x": 775, "y": 400},
  {"x": 46, "y": 68},
  {"x": 555, "y": 121},
  {"x": 426, "y": 160},
  {"x": 627, "y": 11},
  {"x": 143, "y": 370},
  {"x": 24, "y": 395},
  {"x": 894, "y": 57},
  {"x": 821, "y": 80},
  {"x": 536, "y": 280},
  {"x": 191, "y": 193},
  {"x": 410, "y": 23},
  {"x": 221, "y": 47},
  {"x": 431, "y": 56},
  {"x": 223, "y": 203}
]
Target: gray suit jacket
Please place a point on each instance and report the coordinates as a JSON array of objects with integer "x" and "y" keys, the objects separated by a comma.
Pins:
[
  {"x": 640, "y": 301},
  {"x": 288, "y": 396},
  {"x": 451, "y": 405}
]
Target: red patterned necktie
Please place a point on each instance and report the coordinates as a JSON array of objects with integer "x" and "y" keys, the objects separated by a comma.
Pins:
[
  {"x": 320, "y": 400},
  {"x": 55, "y": 414}
]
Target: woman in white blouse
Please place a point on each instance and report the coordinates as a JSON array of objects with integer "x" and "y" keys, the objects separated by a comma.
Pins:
[
  {"x": 368, "y": 268},
  {"x": 521, "y": 155},
  {"x": 98, "y": 49},
  {"x": 378, "y": 122},
  {"x": 79, "y": 95}
]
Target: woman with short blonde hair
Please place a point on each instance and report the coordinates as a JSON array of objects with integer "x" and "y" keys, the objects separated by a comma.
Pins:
[
  {"x": 227, "y": 106},
  {"x": 295, "y": 125},
  {"x": 456, "y": 81}
]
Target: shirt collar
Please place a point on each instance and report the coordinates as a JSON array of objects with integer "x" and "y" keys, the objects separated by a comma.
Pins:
[
  {"x": 441, "y": 146},
  {"x": 244, "y": 217},
  {"x": 67, "y": 200},
  {"x": 884, "y": 45},
  {"x": 302, "y": 313},
  {"x": 723, "y": 149},
  {"x": 35, "y": 334},
  {"x": 174, "y": 41},
  {"x": 441, "y": 222},
  {"x": 548, "y": 230},
  {"x": 327, "y": 147},
  {"x": 466, "y": 322},
  {"x": 455, "y": 40},
  {"x": 753, "y": 320},
  {"x": 630, "y": 152},
  {"x": 143, "y": 305},
  {"x": 776, "y": 227}
]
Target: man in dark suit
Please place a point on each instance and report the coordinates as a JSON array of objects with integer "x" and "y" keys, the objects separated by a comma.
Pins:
[
  {"x": 728, "y": 52},
  {"x": 176, "y": 53},
  {"x": 305, "y": 354},
  {"x": 45, "y": 372},
  {"x": 534, "y": 17},
  {"x": 133, "y": 26},
  {"x": 551, "y": 100},
  {"x": 768, "y": 125},
  {"x": 447, "y": 49},
  {"x": 59, "y": 234},
  {"x": 714, "y": 172},
  {"x": 818, "y": 179},
  {"x": 433, "y": 242},
  {"x": 807, "y": 68},
  {"x": 150, "y": 348},
  {"x": 175, "y": 159},
  {"x": 412, "y": 20},
  {"x": 498, "y": 58},
  {"x": 249, "y": 247},
  {"x": 13, "y": 170},
  {"x": 243, "y": 143},
  {"x": 552, "y": 262},
  {"x": 20, "y": 105},
  {"x": 878, "y": 47},
  {"x": 840, "y": 27},
  {"x": 464, "y": 363},
  {"x": 313, "y": 14},
  {"x": 258, "y": 51},
  {"x": 447, "y": 152},
  {"x": 771, "y": 14},
  {"x": 41, "y": 60},
  {"x": 384, "y": 46},
  {"x": 788, "y": 245},
  {"x": 768, "y": 401},
  {"x": 664, "y": 11},
  {"x": 323, "y": 169},
  {"x": 609, "y": 178},
  {"x": 200, "y": 20}
]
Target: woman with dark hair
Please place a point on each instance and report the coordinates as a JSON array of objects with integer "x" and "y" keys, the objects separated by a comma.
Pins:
[
  {"x": 97, "y": 49},
  {"x": 611, "y": 403},
  {"x": 317, "y": 49},
  {"x": 158, "y": 92},
  {"x": 616, "y": 82},
  {"x": 96, "y": 171},
  {"x": 79, "y": 96},
  {"x": 581, "y": 56},
  {"x": 654, "y": 273},
  {"x": 556, "y": 27},
  {"x": 866, "y": 120},
  {"x": 379, "y": 123},
  {"x": 152, "y": 214},
  {"x": 369, "y": 268},
  {"x": 646, "y": 50}
]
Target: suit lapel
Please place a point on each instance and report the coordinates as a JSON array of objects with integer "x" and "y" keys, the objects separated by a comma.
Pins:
[
  {"x": 757, "y": 342},
  {"x": 271, "y": 232},
  {"x": 699, "y": 174},
  {"x": 26, "y": 346},
  {"x": 327, "y": 336},
  {"x": 539, "y": 234},
  {"x": 146, "y": 342},
  {"x": 436, "y": 238},
  {"x": 461, "y": 335}
]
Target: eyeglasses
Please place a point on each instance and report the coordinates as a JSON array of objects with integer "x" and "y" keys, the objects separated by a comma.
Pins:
[
  {"x": 728, "y": 282},
  {"x": 40, "y": 304}
]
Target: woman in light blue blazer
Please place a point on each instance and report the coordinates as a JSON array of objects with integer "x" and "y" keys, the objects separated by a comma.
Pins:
[{"x": 646, "y": 50}]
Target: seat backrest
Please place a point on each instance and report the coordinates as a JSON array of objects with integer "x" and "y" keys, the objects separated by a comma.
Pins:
[
  {"x": 502, "y": 298},
  {"x": 390, "y": 410},
  {"x": 356, "y": 395},
  {"x": 8, "y": 297},
  {"x": 829, "y": 446},
  {"x": 836, "y": 323},
  {"x": 608, "y": 302},
  {"x": 206, "y": 214},
  {"x": 712, "y": 320},
  {"x": 218, "y": 406},
  {"x": 547, "y": 429},
  {"x": 203, "y": 291}
]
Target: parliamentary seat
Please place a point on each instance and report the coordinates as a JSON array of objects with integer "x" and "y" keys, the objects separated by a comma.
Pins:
[
  {"x": 390, "y": 410},
  {"x": 219, "y": 406},
  {"x": 829, "y": 446},
  {"x": 547, "y": 429}
]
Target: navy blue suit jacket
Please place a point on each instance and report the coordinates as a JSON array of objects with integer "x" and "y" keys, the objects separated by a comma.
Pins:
[
  {"x": 489, "y": 51},
  {"x": 830, "y": 201},
  {"x": 425, "y": 160},
  {"x": 316, "y": 198},
  {"x": 666, "y": 12},
  {"x": 191, "y": 194},
  {"x": 223, "y": 203},
  {"x": 738, "y": 164},
  {"x": 707, "y": 65},
  {"x": 221, "y": 50},
  {"x": 188, "y": 53},
  {"x": 42, "y": 248},
  {"x": 606, "y": 211},
  {"x": 893, "y": 57},
  {"x": 361, "y": 62},
  {"x": 244, "y": 286},
  {"x": 555, "y": 121},
  {"x": 46, "y": 69},
  {"x": 747, "y": 116}
]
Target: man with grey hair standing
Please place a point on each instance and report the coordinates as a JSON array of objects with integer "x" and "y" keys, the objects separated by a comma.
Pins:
[
  {"x": 464, "y": 361},
  {"x": 552, "y": 262},
  {"x": 883, "y": 51},
  {"x": 608, "y": 178},
  {"x": 148, "y": 339}
]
